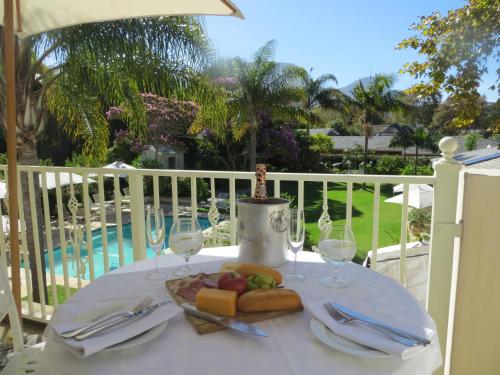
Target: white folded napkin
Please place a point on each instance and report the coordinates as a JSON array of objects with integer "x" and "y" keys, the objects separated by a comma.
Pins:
[
  {"x": 115, "y": 335},
  {"x": 367, "y": 336}
]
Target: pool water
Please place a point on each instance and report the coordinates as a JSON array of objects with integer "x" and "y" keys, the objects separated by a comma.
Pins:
[{"x": 97, "y": 250}]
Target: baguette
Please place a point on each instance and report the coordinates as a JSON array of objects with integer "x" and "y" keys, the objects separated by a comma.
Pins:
[
  {"x": 269, "y": 300},
  {"x": 247, "y": 269}
]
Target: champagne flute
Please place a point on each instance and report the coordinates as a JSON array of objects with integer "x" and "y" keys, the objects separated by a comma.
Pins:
[
  {"x": 295, "y": 237},
  {"x": 337, "y": 247},
  {"x": 186, "y": 240},
  {"x": 155, "y": 232}
]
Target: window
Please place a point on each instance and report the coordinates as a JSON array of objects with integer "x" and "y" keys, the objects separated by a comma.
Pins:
[{"x": 171, "y": 162}]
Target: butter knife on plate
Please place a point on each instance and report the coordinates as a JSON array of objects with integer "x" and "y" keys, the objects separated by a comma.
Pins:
[
  {"x": 145, "y": 311},
  {"x": 223, "y": 321},
  {"x": 358, "y": 316}
]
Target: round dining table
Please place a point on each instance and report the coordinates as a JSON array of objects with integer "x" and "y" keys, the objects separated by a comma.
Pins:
[{"x": 290, "y": 348}]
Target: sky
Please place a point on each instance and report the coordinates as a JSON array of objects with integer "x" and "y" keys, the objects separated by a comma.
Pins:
[{"x": 349, "y": 38}]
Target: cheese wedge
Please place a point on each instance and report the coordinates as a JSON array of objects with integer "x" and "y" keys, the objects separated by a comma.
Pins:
[{"x": 217, "y": 301}]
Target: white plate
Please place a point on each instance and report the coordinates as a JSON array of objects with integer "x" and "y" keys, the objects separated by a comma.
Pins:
[
  {"x": 140, "y": 339},
  {"x": 327, "y": 337}
]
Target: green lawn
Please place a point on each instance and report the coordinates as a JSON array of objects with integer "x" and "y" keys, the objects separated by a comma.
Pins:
[{"x": 362, "y": 213}]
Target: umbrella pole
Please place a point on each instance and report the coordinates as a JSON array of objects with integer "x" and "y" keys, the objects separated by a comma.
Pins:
[{"x": 10, "y": 79}]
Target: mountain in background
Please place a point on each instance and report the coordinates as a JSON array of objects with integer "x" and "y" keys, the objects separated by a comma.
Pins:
[{"x": 347, "y": 90}]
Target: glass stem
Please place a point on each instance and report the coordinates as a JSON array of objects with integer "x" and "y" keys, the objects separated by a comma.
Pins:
[
  {"x": 295, "y": 264},
  {"x": 335, "y": 275},
  {"x": 186, "y": 265},
  {"x": 156, "y": 261}
]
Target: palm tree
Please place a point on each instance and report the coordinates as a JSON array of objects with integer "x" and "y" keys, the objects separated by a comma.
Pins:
[
  {"x": 265, "y": 86},
  {"x": 319, "y": 95},
  {"x": 95, "y": 65},
  {"x": 373, "y": 99},
  {"x": 419, "y": 137},
  {"x": 403, "y": 139},
  {"x": 423, "y": 139}
]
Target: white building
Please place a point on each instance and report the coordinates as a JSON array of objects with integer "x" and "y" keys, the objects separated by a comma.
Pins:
[{"x": 170, "y": 156}]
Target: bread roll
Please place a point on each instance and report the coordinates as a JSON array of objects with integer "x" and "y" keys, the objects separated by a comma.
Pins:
[
  {"x": 247, "y": 269},
  {"x": 269, "y": 300}
]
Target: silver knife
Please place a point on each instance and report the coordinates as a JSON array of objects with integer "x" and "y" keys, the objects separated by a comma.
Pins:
[
  {"x": 145, "y": 311},
  {"x": 357, "y": 315},
  {"x": 223, "y": 321}
]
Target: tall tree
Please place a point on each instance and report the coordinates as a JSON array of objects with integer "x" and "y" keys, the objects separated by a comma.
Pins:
[
  {"x": 402, "y": 139},
  {"x": 418, "y": 137},
  {"x": 317, "y": 94},
  {"x": 423, "y": 139},
  {"x": 373, "y": 99},
  {"x": 456, "y": 50},
  {"x": 96, "y": 65},
  {"x": 265, "y": 86}
]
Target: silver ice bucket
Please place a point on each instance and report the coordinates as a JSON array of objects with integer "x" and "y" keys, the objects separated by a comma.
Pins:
[{"x": 262, "y": 231}]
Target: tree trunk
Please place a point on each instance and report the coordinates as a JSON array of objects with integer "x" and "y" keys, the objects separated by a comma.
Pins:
[
  {"x": 365, "y": 158},
  {"x": 230, "y": 157},
  {"x": 27, "y": 155},
  {"x": 253, "y": 146},
  {"x": 416, "y": 159}
]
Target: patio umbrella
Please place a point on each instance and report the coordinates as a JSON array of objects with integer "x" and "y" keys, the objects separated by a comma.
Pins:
[
  {"x": 399, "y": 188},
  {"x": 418, "y": 197},
  {"x": 115, "y": 165},
  {"x": 64, "y": 179},
  {"x": 30, "y": 17}
]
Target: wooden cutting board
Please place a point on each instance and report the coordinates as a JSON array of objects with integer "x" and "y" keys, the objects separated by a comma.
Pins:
[{"x": 203, "y": 326}]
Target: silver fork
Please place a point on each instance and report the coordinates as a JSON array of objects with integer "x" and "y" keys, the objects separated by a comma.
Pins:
[
  {"x": 342, "y": 319},
  {"x": 141, "y": 305},
  {"x": 421, "y": 340}
]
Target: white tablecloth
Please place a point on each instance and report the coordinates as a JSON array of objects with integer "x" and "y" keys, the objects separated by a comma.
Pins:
[{"x": 290, "y": 348}]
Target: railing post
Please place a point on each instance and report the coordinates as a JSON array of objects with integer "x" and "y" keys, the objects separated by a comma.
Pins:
[
  {"x": 444, "y": 209},
  {"x": 137, "y": 216}
]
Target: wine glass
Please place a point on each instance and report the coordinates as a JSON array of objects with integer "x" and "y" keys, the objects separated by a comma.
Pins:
[
  {"x": 337, "y": 247},
  {"x": 155, "y": 232},
  {"x": 186, "y": 240},
  {"x": 295, "y": 237}
]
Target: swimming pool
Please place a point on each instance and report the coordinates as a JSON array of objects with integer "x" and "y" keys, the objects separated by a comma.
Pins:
[{"x": 97, "y": 250}]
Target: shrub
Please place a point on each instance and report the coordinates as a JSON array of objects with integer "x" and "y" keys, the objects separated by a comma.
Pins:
[
  {"x": 389, "y": 164},
  {"x": 470, "y": 141},
  {"x": 422, "y": 170},
  {"x": 184, "y": 188},
  {"x": 307, "y": 160},
  {"x": 343, "y": 129},
  {"x": 419, "y": 221},
  {"x": 291, "y": 198},
  {"x": 81, "y": 160},
  {"x": 321, "y": 143},
  {"x": 424, "y": 167}
]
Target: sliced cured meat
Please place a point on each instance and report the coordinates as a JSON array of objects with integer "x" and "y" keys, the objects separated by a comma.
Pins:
[
  {"x": 187, "y": 293},
  {"x": 188, "y": 290},
  {"x": 209, "y": 283}
]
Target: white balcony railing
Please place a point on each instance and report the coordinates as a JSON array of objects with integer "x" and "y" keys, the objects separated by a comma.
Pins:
[{"x": 73, "y": 214}]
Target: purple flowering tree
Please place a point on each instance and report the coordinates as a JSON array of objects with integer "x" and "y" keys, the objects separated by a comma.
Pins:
[
  {"x": 277, "y": 144},
  {"x": 168, "y": 121}
]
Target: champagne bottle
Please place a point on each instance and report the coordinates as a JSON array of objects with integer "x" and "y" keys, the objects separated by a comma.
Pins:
[{"x": 260, "y": 195}]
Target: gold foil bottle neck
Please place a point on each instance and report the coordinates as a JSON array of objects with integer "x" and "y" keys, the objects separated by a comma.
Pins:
[{"x": 260, "y": 194}]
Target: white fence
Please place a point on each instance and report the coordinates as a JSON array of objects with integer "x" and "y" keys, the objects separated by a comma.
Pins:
[{"x": 79, "y": 208}]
